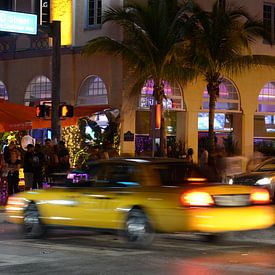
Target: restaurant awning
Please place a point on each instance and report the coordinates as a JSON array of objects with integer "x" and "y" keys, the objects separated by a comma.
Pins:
[
  {"x": 15, "y": 116},
  {"x": 82, "y": 111}
]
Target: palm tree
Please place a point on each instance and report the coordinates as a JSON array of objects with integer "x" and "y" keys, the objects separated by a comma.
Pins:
[
  {"x": 220, "y": 42},
  {"x": 153, "y": 33}
]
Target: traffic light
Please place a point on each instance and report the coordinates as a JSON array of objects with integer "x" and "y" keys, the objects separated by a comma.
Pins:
[
  {"x": 66, "y": 111},
  {"x": 42, "y": 110}
]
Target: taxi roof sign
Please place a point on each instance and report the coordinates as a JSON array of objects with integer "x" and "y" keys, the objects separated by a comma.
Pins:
[{"x": 18, "y": 22}]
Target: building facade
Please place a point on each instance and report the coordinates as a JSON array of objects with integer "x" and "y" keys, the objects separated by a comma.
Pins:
[{"x": 246, "y": 107}]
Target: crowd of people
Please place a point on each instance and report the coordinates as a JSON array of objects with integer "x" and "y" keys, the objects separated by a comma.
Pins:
[{"x": 38, "y": 162}]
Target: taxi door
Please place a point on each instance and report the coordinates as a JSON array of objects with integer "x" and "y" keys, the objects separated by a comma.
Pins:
[{"x": 113, "y": 186}]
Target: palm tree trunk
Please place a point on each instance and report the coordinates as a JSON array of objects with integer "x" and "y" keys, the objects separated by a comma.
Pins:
[
  {"x": 211, "y": 133},
  {"x": 213, "y": 91},
  {"x": 159, "y": 95},
  {"x": 163, "y": 143}
]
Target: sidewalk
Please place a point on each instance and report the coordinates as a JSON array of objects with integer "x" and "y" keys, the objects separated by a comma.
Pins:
[{"x": 2, "y": 214}]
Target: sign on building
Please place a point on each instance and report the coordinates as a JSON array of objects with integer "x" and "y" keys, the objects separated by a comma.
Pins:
[
  {"x": 45, "y": 12},
  {"x": 18, "y": 22}
]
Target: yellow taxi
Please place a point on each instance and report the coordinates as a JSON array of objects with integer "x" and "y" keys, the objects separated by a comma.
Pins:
[{"x": 140, "y": 197}]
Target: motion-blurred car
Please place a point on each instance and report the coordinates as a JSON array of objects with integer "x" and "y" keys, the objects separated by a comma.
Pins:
[
  {"x": 262, "y": 176},
  {"x": 140, "y": 197}
]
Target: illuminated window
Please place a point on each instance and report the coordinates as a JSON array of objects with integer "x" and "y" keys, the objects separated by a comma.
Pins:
[
  {"x": 228, "y": 99},
  {"x": 94, "y": 12},
  {"x": 39, "y": 89},
  {"x": 266, "y": 98},
  {"x": 3, "y": 91},
  {"x": 173, "y": 101},
  {"x": 269, "y": 19},
  {"x": 93, "y": 92}
]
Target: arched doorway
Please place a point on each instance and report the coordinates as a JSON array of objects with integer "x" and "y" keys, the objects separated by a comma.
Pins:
[
  {"x": 227, "y": 115},
  {"x": 264, "y": 120},
  {"x": 3, "y": 91},
  {"x": 174, "y": 107}
]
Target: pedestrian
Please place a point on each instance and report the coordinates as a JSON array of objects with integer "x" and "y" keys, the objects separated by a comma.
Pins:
[
  {"x": 63, "y": 156},
  {"x": 38, "y": 175},
  {"x": 203, "y": 161},
  {"x": 51, "y": 159},
  {"x": 29, "y": 166},
  {"x": 189, "y": 156},
  {"x": 12, "y": 158}
]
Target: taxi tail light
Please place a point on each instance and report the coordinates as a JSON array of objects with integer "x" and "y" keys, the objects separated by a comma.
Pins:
[
  {"x": 260, "y": 196},
  {"x": 196, "y": 198}
]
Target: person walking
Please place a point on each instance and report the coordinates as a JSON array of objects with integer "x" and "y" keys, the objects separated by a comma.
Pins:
[
  {"x": 189, "y": 156},
  {"x": 63, "y": 156},
  {"x": 203, "y": 162},
  {"x": 12, "y": 158},
  {"x": 29, "y": 166},
  {"x": 51, "y": 159},
  {"x": 39, "y": 160}
]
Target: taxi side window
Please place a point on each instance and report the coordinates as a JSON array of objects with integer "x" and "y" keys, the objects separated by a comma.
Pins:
[
  {"x": 123, "y": 176},
  {"x": 175, "y": 174},
  {"x": 116, "y": 175}
]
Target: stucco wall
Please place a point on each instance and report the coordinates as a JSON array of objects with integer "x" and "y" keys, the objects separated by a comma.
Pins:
[
  {"x": 16, "y": 75},
  {"x": 82, "y": 33}
]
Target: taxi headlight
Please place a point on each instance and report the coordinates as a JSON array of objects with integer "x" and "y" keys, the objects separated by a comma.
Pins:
[{"x": 264, "y": 181}]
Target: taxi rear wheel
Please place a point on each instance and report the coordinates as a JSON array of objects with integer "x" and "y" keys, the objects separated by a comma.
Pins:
[
  {"x": 32, "y": 225},
  {"x": 213, "y": 238},
  {"x": 139, "y": 231}
]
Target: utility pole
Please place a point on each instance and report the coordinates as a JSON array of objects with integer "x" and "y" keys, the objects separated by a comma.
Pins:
[
  {"x": 55, "y": 123},
  {"x": 222, "y": 4},
  {"x": 54, "y": 31}
]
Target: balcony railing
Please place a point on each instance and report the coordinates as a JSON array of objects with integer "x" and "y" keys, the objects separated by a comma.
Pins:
[{"x": 18, "y": 45}]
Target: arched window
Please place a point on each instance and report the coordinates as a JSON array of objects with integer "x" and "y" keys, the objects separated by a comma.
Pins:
[
  {"x": 228, "y": 99},
  {"x": 3, "y": 91},
  {"x": 39, "y": 89},
  {"x": 92, "y": 92},
  {"x": 266, "y": 98},
  {"x": 173, "y": 101}
]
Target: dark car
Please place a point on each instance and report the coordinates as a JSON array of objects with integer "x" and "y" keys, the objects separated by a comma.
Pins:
[{"x": 262, "y": 176}]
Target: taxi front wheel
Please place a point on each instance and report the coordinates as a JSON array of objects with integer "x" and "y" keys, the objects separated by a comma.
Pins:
[
  {"x": 139, "y": 231},
  {"x": 32, "y": 225}
]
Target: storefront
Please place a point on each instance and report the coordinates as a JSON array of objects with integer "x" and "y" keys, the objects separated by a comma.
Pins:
[
  {"x": 174, "y": 107},
  {"x": 227, "y": 115}
]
